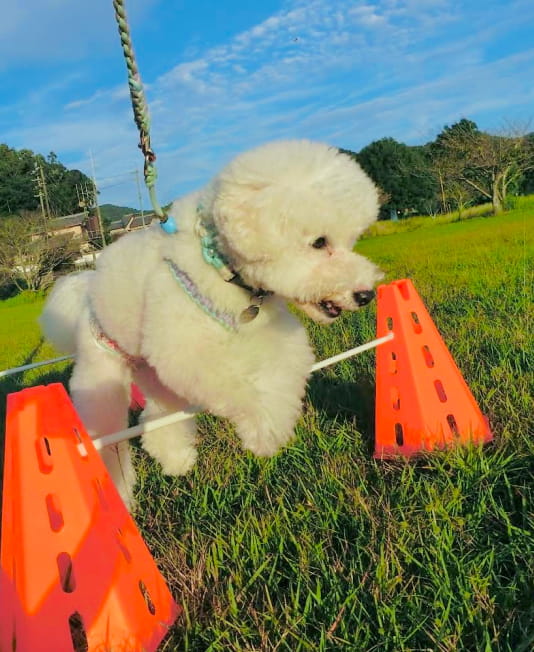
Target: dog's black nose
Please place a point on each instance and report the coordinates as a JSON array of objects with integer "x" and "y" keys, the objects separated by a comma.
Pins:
[{"x": 364, "y": 297}]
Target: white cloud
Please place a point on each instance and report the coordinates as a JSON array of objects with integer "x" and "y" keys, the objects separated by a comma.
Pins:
[{"x": 111, "y": 94}]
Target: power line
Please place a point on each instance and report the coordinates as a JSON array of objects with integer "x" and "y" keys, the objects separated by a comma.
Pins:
[
  {"x": 111, "y": 185},
  {"x": 117, "y": 176}
]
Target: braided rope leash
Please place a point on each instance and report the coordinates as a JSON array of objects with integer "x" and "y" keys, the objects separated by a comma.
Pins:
[{"x": 141, "y": 116}]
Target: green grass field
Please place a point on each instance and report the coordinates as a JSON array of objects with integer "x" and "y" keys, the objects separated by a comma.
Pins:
[{"x": 324, "y": 548}]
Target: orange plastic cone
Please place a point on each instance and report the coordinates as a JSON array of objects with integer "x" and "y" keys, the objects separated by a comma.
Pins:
[
  {"x": 75, "y": 572},
  {"x": 422, "y": 400}
]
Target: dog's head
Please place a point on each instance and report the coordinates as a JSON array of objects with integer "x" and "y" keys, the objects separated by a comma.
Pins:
[{"x": 288, "y": 215}]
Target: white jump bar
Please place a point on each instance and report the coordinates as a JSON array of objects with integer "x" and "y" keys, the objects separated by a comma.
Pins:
[
  {"x": 34, "y": 365},
  {"x": 149, "y": 426}
]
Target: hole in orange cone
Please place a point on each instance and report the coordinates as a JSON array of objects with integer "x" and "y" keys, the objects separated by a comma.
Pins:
[
  {"x": 395, "y": 398},
  {"x": 399, "y": 434},
  {"x": 416, "y": 324},
  {"x": 452, "y": 424},
  {"x": 54, "y": 512},
  {"x": 429, "y": 360},
  {"x": 77, "y": 633},
  {"x": 146, "y": 596},
  {"x": 440, "y": 391},
  {"x": 44, "y": 455},
  {"x": 393, "y": 363},
  {"x": 66, "y": 574},
  {"x": 122, "y": 546}
]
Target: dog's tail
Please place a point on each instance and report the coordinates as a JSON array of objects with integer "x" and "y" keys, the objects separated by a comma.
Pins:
[{"x": 59, "y": 319}]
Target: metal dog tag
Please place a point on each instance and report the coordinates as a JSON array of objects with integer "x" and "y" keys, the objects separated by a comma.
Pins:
[{"x": 249, "y": 314}]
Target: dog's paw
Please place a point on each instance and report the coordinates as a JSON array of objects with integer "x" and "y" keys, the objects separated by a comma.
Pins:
[
  {"x": 173, "y": 447},
  {"x": 179, "y": 461},
  {"x": 262, "y": 438},
  {"x": 264, "y": 447}
]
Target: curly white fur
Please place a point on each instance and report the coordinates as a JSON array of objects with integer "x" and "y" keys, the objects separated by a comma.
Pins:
[{"x": 269, "y": 206}]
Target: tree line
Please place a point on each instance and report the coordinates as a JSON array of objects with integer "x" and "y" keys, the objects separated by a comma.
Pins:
[
  {"x": 25, "y": 175},
  {"x": 33, "y": 189},
  {"x": 462, "y": 166}
]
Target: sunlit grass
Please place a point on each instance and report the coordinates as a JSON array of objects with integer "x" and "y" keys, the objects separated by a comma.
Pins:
[
  {"x": 426, "y": 221},
  {"x": 324, "y": 548}
]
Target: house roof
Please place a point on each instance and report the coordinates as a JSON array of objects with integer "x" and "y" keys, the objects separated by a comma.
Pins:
[
  {"x": 132, "y": 221},
  {"x": 116, "y": 224},
  {"x": 139, "y": 221},
  {"x": 77, "y": 219}
]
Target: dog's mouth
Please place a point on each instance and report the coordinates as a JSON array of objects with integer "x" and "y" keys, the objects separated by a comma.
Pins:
[
  {"x": 323, "y": 312},
  {"x": 329, "y": 308}
]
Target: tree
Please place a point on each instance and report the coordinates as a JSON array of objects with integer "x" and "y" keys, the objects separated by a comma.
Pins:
[
  {"x": 402, "y": 173},
  {"x": 64, "y": 187},
  {"x": 526, "y": 185},
  {"x": 489, "y": 164},
  {"x": 18, "y": 182},
  {"x": 28, "y": 255},
  {"x": 17, "y": 187}
]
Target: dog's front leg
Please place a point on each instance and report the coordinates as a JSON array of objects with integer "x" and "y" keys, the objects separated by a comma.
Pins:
[
  {"x": 266, "y": 421},
  {"x": 267, "y": 410},
  {"x": 173, "y": 446},
  {"x": 264, "y": 402}
]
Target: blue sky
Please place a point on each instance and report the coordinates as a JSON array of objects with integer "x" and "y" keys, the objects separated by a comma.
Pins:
[{"x": 223, "y": 76}]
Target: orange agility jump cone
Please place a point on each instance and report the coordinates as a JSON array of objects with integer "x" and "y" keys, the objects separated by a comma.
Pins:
[
  {"x": 75, "y": 572},
  {"x": 422, "y": 400}
]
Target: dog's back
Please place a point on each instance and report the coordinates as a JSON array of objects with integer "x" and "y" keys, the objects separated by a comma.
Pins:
[{"x": 114, "y": 292}]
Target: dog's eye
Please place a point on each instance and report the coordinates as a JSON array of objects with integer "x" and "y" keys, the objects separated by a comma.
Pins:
[{"x": 320, "y": 243}]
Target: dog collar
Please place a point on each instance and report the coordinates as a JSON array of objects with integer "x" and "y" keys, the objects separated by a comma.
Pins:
[
  {"x": 225, "y": 319},
  {"x": 210, "y": 250},
  {"x": 212, "y": 255}
]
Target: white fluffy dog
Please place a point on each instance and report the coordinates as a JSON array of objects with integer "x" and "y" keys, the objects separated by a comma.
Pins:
[{"x": 199, "y": 317}]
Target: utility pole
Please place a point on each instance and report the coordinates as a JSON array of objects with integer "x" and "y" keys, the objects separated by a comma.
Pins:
[
  {"x": 88, "y": 194},
  {"x": 82, "y": 203},
  {"x": 140, "y": 196},
  {"x": 83, "y": 196},
  {"x": 45, "y": 191},
  {"x": 40, "y": 192},
  {"x": 79, "y": 196},
  {"x": 96, "y": 200}
]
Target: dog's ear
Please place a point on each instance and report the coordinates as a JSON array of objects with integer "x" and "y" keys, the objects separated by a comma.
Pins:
[{"x": 237, "y": 211}]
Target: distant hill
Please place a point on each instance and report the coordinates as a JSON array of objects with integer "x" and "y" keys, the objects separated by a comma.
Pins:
[{"x": 110, "y": 212}]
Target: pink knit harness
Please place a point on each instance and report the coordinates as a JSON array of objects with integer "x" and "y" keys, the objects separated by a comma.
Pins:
[{"x": 108, "y": 344}]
